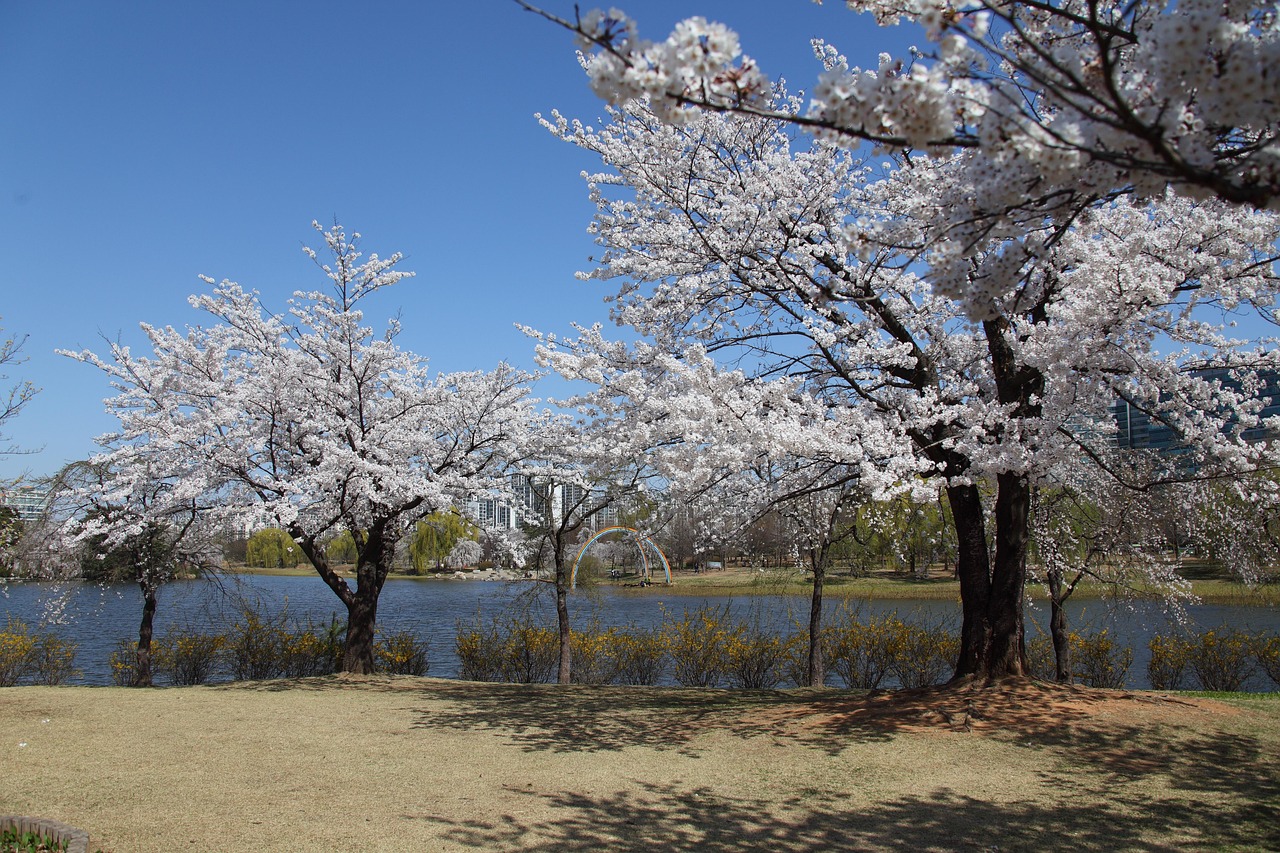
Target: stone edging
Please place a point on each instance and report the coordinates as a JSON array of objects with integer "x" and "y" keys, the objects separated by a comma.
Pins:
[{"x": 77, "y": 840}]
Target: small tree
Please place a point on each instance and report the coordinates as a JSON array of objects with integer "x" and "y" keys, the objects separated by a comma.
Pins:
[{"x": 127, "y": 525}]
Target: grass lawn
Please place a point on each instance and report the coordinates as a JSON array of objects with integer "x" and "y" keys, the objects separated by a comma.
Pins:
[{"x": 410, "y": 764}]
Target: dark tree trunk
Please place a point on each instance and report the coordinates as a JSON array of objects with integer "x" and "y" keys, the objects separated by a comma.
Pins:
[
  {"x": 362, "y": 620},
  {"x": 143, "y": 675},
  {"x": 973, "y": 572},
  {"x": 817, "y": 674},
  {"x": 1008, "y": 655},
  {"x": 1058, "y": 629},
  {"x": 372, "y": 566},
  {"x": 564, "y": 673}
]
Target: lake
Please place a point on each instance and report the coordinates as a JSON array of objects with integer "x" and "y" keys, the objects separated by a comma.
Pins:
[{"x": 96, "y": 618}]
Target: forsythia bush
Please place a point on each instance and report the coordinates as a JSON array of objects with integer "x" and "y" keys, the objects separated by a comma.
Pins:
[
  {"x": 697, "y": 644},
  {"x": 1097, "y": 661},
  {"x": 400, "y": 653},
  {"x": 755, "y": 658},
  {"x": 1168, "y": 665},
  {"x": 17, "y": 652},
  {"x": 1222, "y": 660},
  {"x": 861, "y": 654},
  {"x": 37, "y": 658},
  {"x": 639, "y": 655},
  {"x": 188, "y": 656}
]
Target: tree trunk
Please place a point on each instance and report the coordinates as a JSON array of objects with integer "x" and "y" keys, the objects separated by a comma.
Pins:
[
  {"x": 362, "y": 618},
  {"x": 1058, "y": 630},
  {"x": 372, "y": 566},
  {"x": 143, "y": 676},
  {"x": 564, "y": 673},
  {"x": 816, "y": 674},
  {"x": 1008, "y": 654},
  {"x": 973, "y": 572}
]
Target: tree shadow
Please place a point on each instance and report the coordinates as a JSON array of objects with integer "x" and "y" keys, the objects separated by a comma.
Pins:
[
  {"x": 657, "y": 817},
  {"x": 539, "y": 717}
]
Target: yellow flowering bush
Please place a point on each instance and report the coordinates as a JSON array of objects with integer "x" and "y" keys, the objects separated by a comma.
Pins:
[
  {"x": 188, "y": 656},
  {"x": 697, "y": 645},
  {"x": 638, "y": 655},
  {"x": 1166, "y": 670},
  {"x": 921, "y": 655},
  {"x": 1097, "y": 660},
  {"x": 400, "y": 653},
  {"x": 861, "y": 653},
  {"x": 1223, "y": 659},
  {"x": 591, "y": 650},
  {"x": 755, "y": 658},
  {"x": 17, "y": 652}
]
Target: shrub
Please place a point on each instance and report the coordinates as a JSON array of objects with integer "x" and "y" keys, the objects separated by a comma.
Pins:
[
  {"x": 401, "y": 653},
  {"x": 17, "y": 652},
  {"x": 530, "y": 654},
  {"x": 124, "y": 663},
  {"x": 795, "y": 657},
  {"x": 754, "y": 658},
  {"x": 53, "y": 660},
  {"x": 1169, "y": 659},
  {"x": 1222, "y": 660},
  {"x": 697, "y": 645},
  {"x": 593, "y": 662},
  {"x": 255, "y": 646},
  {"x": 922, "y": 655},
  {"x": 479, "y": 650},
  {"x": 1040, "y": 658},
  {"x": 1097, "y": 661},
  {"x": 1267, "y": 652},
  {"x": 41, "y": 658},
  {"x": 188, "y": 656},
  {"x": 862, "y": 654},
  {"x": 639, "y": 655},
  {"x": 310, "y": 651}
]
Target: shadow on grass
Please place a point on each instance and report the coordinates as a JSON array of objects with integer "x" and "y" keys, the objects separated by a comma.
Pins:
[
  {"x": 654, "y": 817},
  {"x": 1219, "y": 782}
]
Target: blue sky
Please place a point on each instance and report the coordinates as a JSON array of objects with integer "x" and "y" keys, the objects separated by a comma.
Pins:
[{"x": 145, "y": 143}]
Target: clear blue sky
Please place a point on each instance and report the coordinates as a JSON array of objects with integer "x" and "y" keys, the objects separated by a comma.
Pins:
[{"x": 144, "y": 143}]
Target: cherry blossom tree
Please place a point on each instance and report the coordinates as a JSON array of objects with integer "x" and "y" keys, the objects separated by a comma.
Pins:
[
  {"x": 575, "y": 468},
  {"x": 1053, "y": 105},
  {"x": 791, "y": 276},
  {"x": 310, "y": 421},
  {"x": 126, "y": 520}
]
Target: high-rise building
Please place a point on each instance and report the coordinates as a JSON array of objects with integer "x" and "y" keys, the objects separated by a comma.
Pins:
[{"x": 28, "y": 501}]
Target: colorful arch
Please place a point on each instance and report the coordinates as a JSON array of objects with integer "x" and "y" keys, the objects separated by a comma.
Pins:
[{"x": 642, "y": 542}]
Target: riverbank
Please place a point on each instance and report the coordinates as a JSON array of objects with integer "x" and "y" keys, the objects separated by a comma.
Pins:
[
  {"x": 393, "y": 764},
  {"x": 938, "y": 585}
]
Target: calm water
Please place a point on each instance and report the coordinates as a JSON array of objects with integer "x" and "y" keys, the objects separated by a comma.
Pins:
[{"x": 97, "y": 618}]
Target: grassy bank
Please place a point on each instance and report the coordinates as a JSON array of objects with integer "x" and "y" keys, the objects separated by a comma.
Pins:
[
  {"x": 882, "y": 585},
  {"x": 391, "y": 764}
]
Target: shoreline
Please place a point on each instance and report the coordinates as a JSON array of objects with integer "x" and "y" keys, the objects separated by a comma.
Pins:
[{"x": 879, "y": 586}]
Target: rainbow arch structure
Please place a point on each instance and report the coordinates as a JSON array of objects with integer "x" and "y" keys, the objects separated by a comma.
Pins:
[{"x": 643, "y": 543}]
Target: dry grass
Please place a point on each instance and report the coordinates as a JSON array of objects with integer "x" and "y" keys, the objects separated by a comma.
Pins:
[{"x": 389, "y": 764}]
